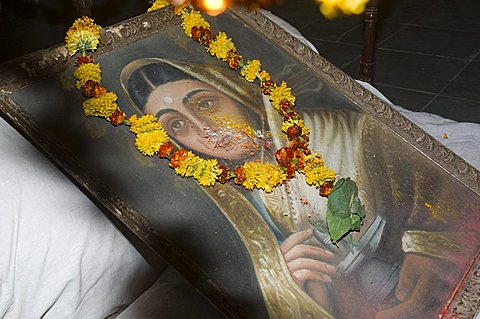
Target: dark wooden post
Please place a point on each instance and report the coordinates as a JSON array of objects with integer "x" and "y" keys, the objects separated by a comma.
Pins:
[
  {"x": 83, "y": 7},
  {"x": 367, "y": 63}
]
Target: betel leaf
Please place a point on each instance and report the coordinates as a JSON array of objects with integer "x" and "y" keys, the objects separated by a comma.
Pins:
[{"x": 345, "y": 211}]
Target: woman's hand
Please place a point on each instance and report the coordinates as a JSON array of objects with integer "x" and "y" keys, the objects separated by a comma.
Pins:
[
  {"x": 420, "y": 283},
  {"x": 311, "y": 267}
]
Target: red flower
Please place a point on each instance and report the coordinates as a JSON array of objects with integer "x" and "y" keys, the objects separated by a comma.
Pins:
[
  {"x": 84, "y": 59},
  {"x": 93, "y": 89},
  {"x": 298, "y": 144},
  {"x": 286, "y": 106},
  {"x": 284, "y": 156},
  {"x": 197, "y": 33},
  {"x": 239, "y": 175},
  {"x": 265, "y": 86},
  {"x": 117, "y": 117},
  {"x": 325, "y": 189},
  {"x": 234, "y": 60},
  {"x": 208, "y": 37},
  {"x": 178, "y": 157},
  {"x": 291, "y": 116},
  {"x": 290, "y": 171},
  {"x": 165, "y": 150},
  {"x": 294, "y": 131},
  {"x": 225, "y": 175}
]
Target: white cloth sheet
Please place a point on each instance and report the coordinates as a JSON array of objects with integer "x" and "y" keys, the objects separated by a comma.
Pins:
[{"x": 61, "y": 258}]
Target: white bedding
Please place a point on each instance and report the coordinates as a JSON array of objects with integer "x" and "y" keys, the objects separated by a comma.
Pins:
[{"x": 61, "y": 258}]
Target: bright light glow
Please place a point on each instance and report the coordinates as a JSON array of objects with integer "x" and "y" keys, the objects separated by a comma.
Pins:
[{"x": 214, "y": 5}]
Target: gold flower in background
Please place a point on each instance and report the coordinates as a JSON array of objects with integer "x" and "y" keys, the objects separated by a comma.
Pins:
[{"x": 332, "y": 8}]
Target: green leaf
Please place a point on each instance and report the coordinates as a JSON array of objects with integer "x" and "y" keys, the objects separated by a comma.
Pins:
[{"x": 345, "y": 211}]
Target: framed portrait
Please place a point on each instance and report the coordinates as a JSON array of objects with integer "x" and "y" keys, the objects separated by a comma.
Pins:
[{"x": 251, "y": 253}]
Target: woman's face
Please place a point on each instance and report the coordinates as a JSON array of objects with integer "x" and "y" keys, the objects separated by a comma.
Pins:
[{"x": 201, "y": 118}]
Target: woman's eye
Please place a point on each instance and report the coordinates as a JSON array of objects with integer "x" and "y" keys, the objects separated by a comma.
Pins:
[
  {"x": 205, "y": 105},
  {"x": 177, "y": 125}
]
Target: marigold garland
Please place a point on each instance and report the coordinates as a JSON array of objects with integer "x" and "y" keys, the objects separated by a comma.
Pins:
[
  {"x": 152, "y": 139},
  {"x": 87, "y": 71}
]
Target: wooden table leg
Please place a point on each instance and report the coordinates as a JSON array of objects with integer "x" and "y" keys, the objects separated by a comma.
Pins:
[
  {"x": 367, "y": 63},
  {"x": 83, "y": 7}
]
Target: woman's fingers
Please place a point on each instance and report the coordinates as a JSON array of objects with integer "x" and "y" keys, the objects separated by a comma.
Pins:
[
  {"x": 296, "y": 239},
  {"x": 308, "y": 251},
  {"x": 305, "y": 275},
  {"x": 311, "y": 264}
]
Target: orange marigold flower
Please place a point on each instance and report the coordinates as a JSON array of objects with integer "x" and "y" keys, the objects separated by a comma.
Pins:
[
  {"x": 198, "y": 32},
  {"x": 93, "y": 89},
  {"x": 240, "y": 175},
  {"x": 298, "y": 144},
  {"x": 84, "y": 59},
  {"x": 325, "y": 189},
  {"x": 117, "y": 117},
  {"x": 294, "y": 116},
  {"x": 132, "y": 119},
  {"x": 294, "y": 131},
  {"x": 234, "y": 60},
  {"x": 165, "y": 150},
  {"x": 286, "y": 106},
  {"x": 267, "y": 86},
  {"x": 290, "y": 171},
  {"x": 224, "y": 175},
  {"x": 284, "y": 156},
  {"x": 178, "y": 157}
]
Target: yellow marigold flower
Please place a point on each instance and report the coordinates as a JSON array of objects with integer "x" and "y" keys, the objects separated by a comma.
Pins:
[
  {"x": 87, "y": 71},
  {"x": 86, "y": 23},
  {"x": 102, "y": 106},
  {"x": 263, "y": 176},
  {"x": 281, "y": 93},
  {"x": 207, "y": 171},
  {"x": 193, "y": 19},
  {"x": 204, "y": 171},
  {"x": 187, "y": 167},
  {"x": 221, "y": 46},
  {"x": 149, "y": 142},
  {"x": 316, "y": 172},
  {"x": 145, "y": 123},
  {"x": 159, "y": 4},
  {"x": 313, "y": 160},
  {"x": 250, "y": 70},
  {"x": 319, "y": 175},
  {"x": 82, "y": 36},
  {"x": 264, "y": 76},
  {"x": 330, "y": 8},
  {"x": 291, "y": 122}
]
